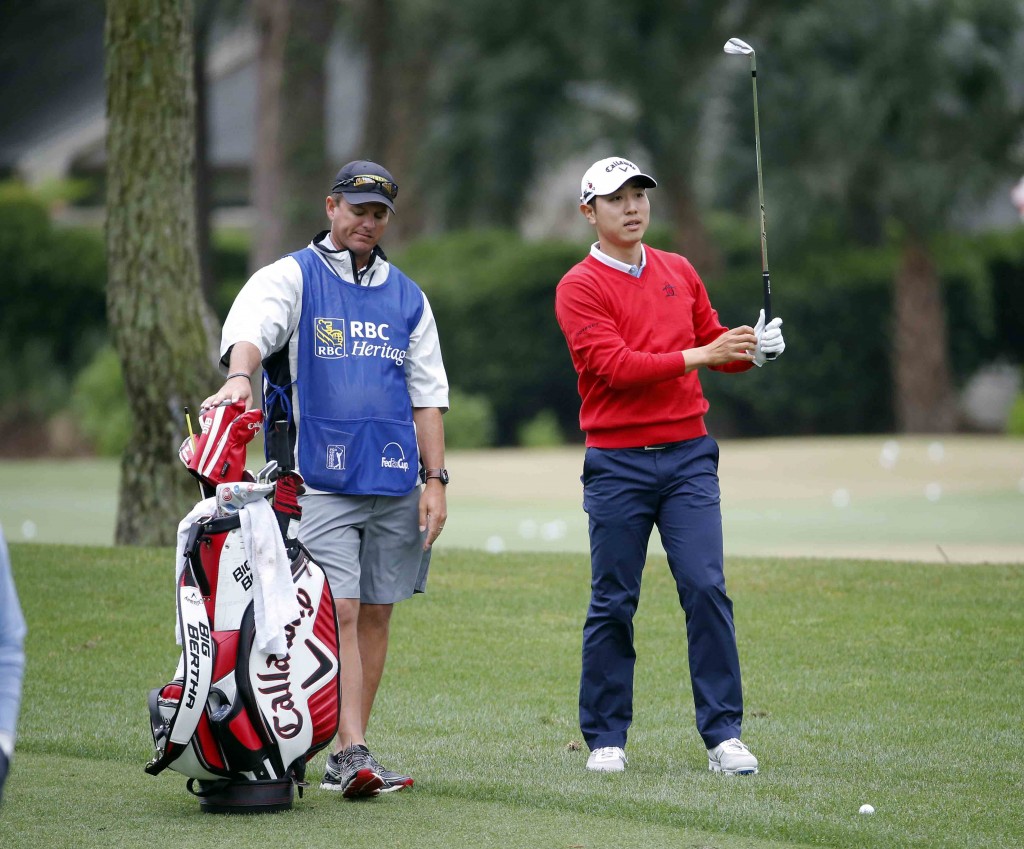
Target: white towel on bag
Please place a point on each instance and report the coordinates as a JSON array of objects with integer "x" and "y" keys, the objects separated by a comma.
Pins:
[{"x": 273, "y": 593}]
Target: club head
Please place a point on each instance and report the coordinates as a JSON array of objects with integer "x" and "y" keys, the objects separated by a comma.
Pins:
[
  {"x": 738, "y": 47},
  {"x": 268, "y": 473}
]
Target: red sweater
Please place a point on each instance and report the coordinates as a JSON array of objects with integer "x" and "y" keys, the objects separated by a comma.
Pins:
[{"x": 626, "y": 336}]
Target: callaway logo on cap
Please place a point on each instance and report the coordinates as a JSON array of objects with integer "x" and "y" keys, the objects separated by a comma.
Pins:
[{"x": 607, "y": 175}]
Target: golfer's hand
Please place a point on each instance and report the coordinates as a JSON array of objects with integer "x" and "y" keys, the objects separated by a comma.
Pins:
[
  {"x": 732, "y": 346},
  {"x": 769, "y": 339},
  {"x": 433, "y": 511},
  {"x": 235, "y": 389}
]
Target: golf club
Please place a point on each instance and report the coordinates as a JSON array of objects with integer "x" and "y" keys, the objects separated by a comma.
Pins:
[{"x": 738, "y": 47}]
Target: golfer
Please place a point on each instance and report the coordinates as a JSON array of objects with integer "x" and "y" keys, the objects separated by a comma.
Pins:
[
  {"x": 351, "y": 356},
  {"x": 639, "y": 325}
]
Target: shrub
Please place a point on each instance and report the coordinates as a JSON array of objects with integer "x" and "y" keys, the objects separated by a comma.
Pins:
[
  {"x": 493, "y": 296},
  {"x": 100, "y": 404},
  {"x": 52, "y": 304},
  {"x": 542, "y": 431},
  {"x": 1015, "y": 421},
  {"x": 469, "y": 423}
]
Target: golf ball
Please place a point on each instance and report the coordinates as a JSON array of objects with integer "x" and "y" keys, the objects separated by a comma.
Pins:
[
  {"x": 866, "y": 809},
  {"x": 841, "y": 498}
]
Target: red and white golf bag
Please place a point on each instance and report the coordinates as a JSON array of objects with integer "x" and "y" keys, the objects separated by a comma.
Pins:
[{"x": 241, "y": 723}]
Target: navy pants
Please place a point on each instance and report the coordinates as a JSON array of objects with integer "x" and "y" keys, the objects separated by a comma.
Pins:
[{"x": 626, "y": 492}]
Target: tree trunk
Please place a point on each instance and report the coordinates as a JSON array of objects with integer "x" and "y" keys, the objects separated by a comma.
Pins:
[
  {"x": 924, "y": 392},
  {"x": 154, "y": 303},
  {"x": 204, "y": 175},
  {"x": 291, "y": 175},
  {"x": 398, "y": 78},
  {"x": 267, "y": 168}
]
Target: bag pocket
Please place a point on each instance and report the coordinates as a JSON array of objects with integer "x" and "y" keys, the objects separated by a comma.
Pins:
[{"x": 360, "y": 456}]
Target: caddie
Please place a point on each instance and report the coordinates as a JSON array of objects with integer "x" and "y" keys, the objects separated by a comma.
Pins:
[{"x": 351, "y": 355}]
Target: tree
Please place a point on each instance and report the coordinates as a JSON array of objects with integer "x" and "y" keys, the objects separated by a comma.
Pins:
[
  {"x": 157, "y": 316},
  {"x": 660, "y": 56},
  {"x": 501, "y": 92},
  {"x": 900, "y": 116},
  {"x": 290, "y": 169},
  {"x": 402, "y": 40}
]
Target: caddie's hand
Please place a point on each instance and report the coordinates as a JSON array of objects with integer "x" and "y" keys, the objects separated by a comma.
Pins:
[
  {"x": 236, "y": 388},
  {"x": 769, "y": 339},
  {"x": 433, "y": 511}
]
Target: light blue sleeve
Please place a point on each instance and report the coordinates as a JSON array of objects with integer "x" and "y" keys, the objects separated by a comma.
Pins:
[{"x": 12, "y": 646}]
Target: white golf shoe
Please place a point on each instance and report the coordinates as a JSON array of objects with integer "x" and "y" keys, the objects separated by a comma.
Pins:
[
  {"x": 732, "y": 757},
  {"x": 607, "y": 759}
]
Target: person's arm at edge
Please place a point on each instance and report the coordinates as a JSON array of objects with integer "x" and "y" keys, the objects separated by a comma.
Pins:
[{"x": 12, "y": 654}]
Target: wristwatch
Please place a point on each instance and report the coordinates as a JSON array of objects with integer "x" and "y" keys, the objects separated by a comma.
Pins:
[{"x": 439, "y": 474}]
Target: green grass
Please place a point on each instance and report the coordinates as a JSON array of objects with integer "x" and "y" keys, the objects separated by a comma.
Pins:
[
  {"x": 891, "y": 683},
  {"x": 779, "y": 498}
]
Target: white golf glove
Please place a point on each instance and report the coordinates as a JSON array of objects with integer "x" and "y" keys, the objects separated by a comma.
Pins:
[{"x": 769, "y": 339}]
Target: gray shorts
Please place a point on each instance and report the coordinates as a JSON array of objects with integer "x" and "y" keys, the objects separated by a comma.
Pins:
[{"x": 369, "y": 545}]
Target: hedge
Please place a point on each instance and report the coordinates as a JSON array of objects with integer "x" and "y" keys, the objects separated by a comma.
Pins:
[{"x": 493, "y": 296}]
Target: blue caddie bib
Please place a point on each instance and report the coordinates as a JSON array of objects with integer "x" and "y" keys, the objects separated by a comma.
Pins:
[{"x": 356, "y": 433}]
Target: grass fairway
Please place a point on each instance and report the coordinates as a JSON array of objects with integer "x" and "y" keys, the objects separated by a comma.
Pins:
[
  {"x": 891, "y": 683},
  {"x": 957, "y": 499}
]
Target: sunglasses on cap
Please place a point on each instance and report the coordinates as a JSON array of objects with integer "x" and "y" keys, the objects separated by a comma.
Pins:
[{"x": 368, "y": 183}]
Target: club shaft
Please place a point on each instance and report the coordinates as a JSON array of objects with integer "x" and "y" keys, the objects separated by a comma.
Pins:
[{"x": 765, "y": 277}]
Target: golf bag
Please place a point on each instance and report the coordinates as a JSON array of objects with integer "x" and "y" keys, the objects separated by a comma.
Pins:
[{"x": 239, "y": 721}]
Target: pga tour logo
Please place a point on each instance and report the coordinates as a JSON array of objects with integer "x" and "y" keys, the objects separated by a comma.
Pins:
[
  {"x": 331, "y": 338},
  {"x": 393, "y": 457},
  {"x": 336, "y": 458}
]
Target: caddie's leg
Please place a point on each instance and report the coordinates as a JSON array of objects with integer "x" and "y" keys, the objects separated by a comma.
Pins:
[
  {"x": 332, "y": 530},
  {"x": 690, "y": 522},
  {"x": 620, "y": 502},
  {"x": 393, "y": 569},
  {"x": 351, "y": 726},
  {"x": 374, "y": 630}
]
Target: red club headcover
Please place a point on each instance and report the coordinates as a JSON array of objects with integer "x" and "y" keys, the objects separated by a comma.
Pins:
[{"x": 219, "y": 455}]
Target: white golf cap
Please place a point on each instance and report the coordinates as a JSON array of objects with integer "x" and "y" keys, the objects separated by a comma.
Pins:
[{"x": 607, "y": 175}]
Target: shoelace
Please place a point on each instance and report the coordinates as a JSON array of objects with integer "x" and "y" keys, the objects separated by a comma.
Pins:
[
  {"x": 606, "y": 753},
  {"x": 733, "y": 746}
]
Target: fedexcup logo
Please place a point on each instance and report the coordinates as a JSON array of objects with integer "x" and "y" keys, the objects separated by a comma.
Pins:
[{"x": 393, "y": 457}]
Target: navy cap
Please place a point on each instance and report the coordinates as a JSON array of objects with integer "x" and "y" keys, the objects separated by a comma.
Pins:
[{"x": 363, "y": 181}]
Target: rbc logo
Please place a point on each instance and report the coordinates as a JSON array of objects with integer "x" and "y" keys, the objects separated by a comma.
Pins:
[{"x": 330, "y": 337}]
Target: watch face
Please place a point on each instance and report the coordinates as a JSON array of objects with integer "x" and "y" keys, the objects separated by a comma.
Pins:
[{"x": 443, "y": 474}]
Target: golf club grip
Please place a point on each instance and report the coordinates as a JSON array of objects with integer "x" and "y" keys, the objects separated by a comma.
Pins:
[{"x": 767, "y": 281}]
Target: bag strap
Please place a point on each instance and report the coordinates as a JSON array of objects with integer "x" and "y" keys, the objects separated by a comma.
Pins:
[{"x": 197, "y": 649}]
